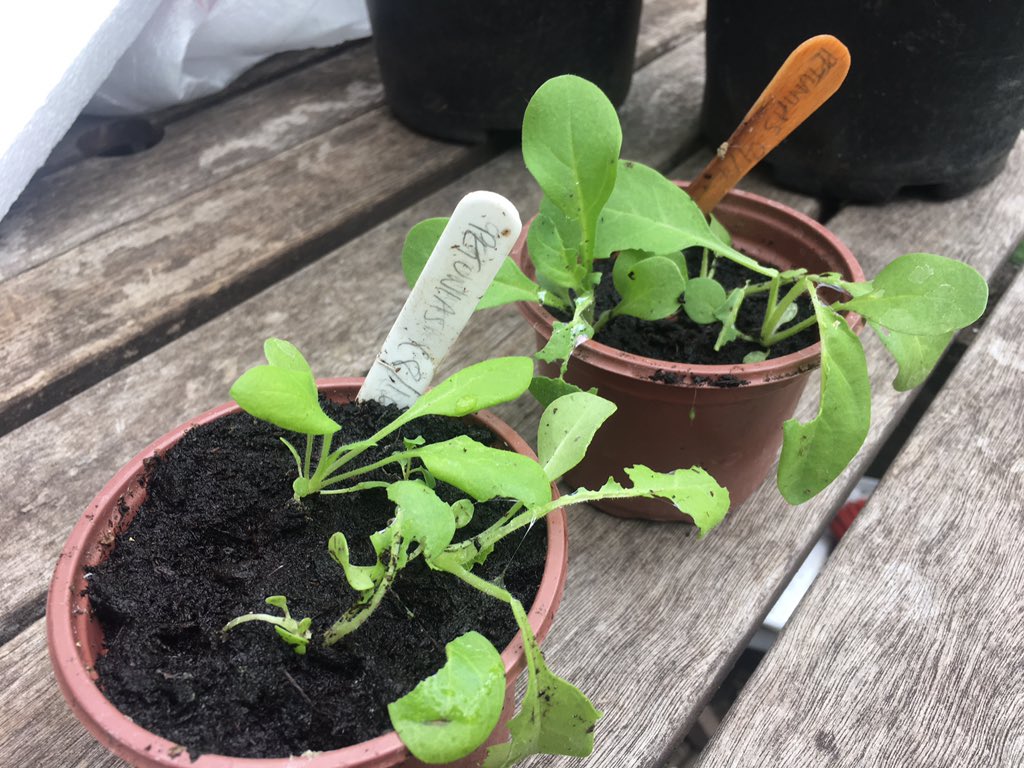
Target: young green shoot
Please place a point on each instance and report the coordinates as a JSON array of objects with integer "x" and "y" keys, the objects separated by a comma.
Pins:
[
  {"x": 598, "y": 207},
  {"x": 450, "y": 714}
]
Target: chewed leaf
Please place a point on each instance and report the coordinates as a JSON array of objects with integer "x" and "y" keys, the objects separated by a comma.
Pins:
[
  {"x": 419, "y": 244},
  {"x": 815, "y": 453},
  {"x": 474, "y": 388},
  {"x": 915, "y": 355},
  {"x": 566, "y": 429},
  {"x": 704, "y": 298},
  {"x": 555, "y": 719},
  {"x": 566, "y": 336},
  {"x": 453, "y": 711},
  {"x": 284, "y": 354},
  {"x": 650, "y": 287},
  {"x": 426, "y": 518},
  {"x": 923, "y": 294},
  {"x": 693, "y": 492},
  {"x": 362, "y": 578},
  {"x": 484, "y": 472},
  {"x": 284, "y": 397}
]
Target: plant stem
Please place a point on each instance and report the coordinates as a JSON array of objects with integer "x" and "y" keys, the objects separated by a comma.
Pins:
[
  {"x": 602, "y": 321},
  {"x": 793, "y": 330},
  {"x": 309, "y": 455},
  {"x": 773, "y": 318},
  {"x": 356, "y": 616}
]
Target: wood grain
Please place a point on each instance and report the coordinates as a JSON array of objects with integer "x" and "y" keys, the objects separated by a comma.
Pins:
[
  {"x": 204, "y": 221},
  {"x": 908, "y": 650},
  {"x": 66, "y": 209},
  {"x": 338, "y": 310},
  {"x": 67, "y": 151},
  {"x": 652, "y": 619}
]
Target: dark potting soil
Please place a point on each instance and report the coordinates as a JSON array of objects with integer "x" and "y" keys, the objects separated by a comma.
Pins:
[
  {"x": 680, "y": 340},
  {"x": 218, "y": 533}
]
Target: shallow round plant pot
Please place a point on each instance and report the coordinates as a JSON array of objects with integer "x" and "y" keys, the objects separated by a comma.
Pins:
[
  {"x": 934, "y": 96},
  {"x": 737, "y": 410},
  {"x": 460, "y": 69},
  {"x": 75, "y": 639}
]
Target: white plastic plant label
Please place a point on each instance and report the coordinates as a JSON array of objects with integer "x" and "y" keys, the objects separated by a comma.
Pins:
[{"x": 462, "y": 265}]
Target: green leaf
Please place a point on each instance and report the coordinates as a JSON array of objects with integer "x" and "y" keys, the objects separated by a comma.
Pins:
[
  {"x": 719, "y": 230},
  {"x": 553, "y": 242},
  {"x": 571, "y": 142},
  {"x": 704, "y": 298},
  {"x": 485, "y": 472},
  {"x": 693, "y": 491},
  {"x": 727, "y": 314},
  {"x": 284, "y": 354},
  {"x": 915, "y": 355},
  {"x": 757, "y": 356},
  {"x": 453, "y": 711},
  {"x": 509, "y": 285},
  {"x": 418, "y": 246},
  {"x": 426, "y": 518},
  {"x": 650, "y": 287},
  {"x": 566, "y": 336},
  {"x": 566, "y": 428},
  {"x": 284, "y": 397},
  {"x": 815, "y": 453},
  {"x": 472, "y": 389},
  {"x": 463, "y": 510},
  {"x": 924, "y": 295},
  {"x": 547, "y": 390},
  {"x": 362, "y": 578},
  {"x": 648, "y": 212},
  {"x": 555, "y": 718}
]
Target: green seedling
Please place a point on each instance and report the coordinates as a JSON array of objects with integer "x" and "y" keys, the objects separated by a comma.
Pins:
[
  {"x": 598, "y": 207},
  {"x": 296, "y": 633},
  {"x": 451, "y": 713}
]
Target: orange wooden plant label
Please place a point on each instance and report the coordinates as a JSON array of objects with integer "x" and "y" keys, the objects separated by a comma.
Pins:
[{"x": 805, "y": 81}]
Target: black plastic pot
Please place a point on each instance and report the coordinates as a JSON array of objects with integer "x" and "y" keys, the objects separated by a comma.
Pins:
[
  {"x": 459, "y": 69},
  {"x": 934, "y": 98}
]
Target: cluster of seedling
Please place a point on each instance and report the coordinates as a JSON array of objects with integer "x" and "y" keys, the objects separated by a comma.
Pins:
[
  {"x": 598, "y": 207},
  {"x": 450, "y": 714}
]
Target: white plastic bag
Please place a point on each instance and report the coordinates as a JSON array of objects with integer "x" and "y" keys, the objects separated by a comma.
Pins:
[{"x": 191, "y": 48}]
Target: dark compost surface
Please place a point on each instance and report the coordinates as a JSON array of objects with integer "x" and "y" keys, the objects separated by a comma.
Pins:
[{"x": 218, "y": 533}]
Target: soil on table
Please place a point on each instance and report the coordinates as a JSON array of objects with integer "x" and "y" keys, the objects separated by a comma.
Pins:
[
  {"x": 218, "y": 533},
  {"x": 680, "y": 340}
]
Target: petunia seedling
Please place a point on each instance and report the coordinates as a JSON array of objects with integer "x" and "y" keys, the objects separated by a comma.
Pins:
[
  {"x": 597, "y": 207},
  {"x": 451, "y": 713},
  {"x": 296, "y": 633}
]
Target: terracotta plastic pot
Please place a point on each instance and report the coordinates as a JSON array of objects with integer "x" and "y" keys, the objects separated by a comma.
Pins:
[
  {"x": 75, "y": 639},
  {"x": 724, "y": 418}
]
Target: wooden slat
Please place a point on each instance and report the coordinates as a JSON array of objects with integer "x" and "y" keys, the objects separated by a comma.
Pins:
[
  {"x": 67, "y": 152},
  {"x": 32, "y": 708},
  {"x": 151, "y": 245},
  {"x": 339, "y": 309},
  {"x": 908, "y": 650},
  {"x": 652, "y": 618},
  {"x": 63, "y": 210}
]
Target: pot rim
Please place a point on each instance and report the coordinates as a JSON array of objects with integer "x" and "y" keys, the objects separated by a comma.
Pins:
[
  {"x": 67, "y": 615},
  {"x": 627, "y": 364}
]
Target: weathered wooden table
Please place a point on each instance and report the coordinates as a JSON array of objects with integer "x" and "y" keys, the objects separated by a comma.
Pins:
[{"x": 134, "y": 289}]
